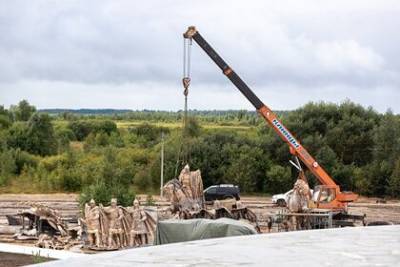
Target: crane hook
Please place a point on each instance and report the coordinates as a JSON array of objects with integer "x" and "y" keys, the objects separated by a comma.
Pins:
[{"x": 186, "y": 83}]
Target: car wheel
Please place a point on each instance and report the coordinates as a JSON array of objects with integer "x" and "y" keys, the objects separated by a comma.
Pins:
[{"x": 281, "y": 203}]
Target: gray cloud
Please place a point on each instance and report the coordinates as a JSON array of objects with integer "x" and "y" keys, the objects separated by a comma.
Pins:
[{"x": 104, "y": 46}]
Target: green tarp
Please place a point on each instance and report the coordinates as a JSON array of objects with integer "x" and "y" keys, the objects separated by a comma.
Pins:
[{"x": 172, "y": 231}]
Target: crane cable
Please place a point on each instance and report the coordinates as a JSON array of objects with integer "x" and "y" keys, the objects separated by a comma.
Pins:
[{"x": 187, "y": 44}]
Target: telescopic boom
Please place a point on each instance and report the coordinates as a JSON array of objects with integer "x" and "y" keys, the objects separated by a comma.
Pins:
[{"x": 295, "y": 147}]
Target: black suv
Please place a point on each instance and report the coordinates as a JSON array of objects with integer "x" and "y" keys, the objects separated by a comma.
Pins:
[{"x": 222, "y": 191}]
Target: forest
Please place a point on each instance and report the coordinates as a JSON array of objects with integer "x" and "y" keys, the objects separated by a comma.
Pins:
[{"x": 99, "y": 154}]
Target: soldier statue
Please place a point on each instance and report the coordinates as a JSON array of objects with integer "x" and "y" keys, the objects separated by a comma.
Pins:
[
  {"x": 115, "y": 232},
  {"x": 185, "y": 179},
  {"x": 92, "y": 221},
  {"x": 138, "y": 229}
]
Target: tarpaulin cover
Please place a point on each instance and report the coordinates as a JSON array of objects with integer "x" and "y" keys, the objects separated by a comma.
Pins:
[{"x": 172, "y": 231}]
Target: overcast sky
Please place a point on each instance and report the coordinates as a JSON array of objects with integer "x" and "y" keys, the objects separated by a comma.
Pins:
[{"x": 128, "y": 54}]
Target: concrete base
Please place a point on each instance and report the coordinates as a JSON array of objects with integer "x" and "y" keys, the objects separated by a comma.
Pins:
[
  {"x": 48, "y": 253},
  {"x": 355, "y": 246}
]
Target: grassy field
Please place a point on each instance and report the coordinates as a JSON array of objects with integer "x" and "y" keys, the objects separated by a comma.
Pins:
[
  {"x": 175, "y": 125},
  {"x": 125, "y": 124}
]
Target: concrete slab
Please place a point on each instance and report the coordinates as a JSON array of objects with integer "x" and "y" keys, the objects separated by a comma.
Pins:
[
  {"x": 357, "y": 246},
  {"x": 49, "y": 253}
]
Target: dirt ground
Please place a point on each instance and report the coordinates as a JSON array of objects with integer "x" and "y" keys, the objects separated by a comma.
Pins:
[
  {"x": 389, "y": 211},
  {"x": 67, "y": 205},
  {"x": 12, "y": 259}
]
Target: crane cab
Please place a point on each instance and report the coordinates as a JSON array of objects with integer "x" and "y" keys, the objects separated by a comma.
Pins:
[{"x": 329, "y": 197}]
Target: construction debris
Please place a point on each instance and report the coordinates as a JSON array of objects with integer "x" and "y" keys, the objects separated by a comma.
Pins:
[{"x": 40, "y": 219}]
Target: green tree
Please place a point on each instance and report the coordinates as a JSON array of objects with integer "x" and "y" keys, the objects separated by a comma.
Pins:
[
  {"x": 245, "y": 167},
  {"x": 112, "y": 181},
  {"x": 5, "y": 118},
  {"x": 387, "y": 139},
  {"x": 394, "y": 181},
  {"x": 23, "y": 159},
  {"x": 41, "y": 135},
  {"x": 105, "y": 126},
  {"x": 7, "y": 166},
  {"x": 278, "y": 179},
  {"x": 192, "y": 127},
  {"x": 327, "y": 158},
  {"x": 81, "y": 129},
  {"x": 102, "y": 139},
  {"x": 23, "y": 111},
  {"x": 18, "y": 136}
]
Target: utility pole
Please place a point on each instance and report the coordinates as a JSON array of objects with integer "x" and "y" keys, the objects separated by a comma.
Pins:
[{"x": 162, "y": 165}]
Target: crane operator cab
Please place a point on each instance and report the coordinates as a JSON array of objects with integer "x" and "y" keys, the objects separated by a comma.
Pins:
[
  {"x": 323, "y": 194},
  {"x": 322, "y": 197}
]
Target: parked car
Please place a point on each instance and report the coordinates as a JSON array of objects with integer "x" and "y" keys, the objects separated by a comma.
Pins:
[
  {"x": 222, "y": 191},
  {"x": 282, "y": 199}
]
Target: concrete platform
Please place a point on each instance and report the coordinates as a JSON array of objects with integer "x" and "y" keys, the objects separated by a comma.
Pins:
[
  {"x": 358, "y": 246},
  {"x": 48, "y": 253}
]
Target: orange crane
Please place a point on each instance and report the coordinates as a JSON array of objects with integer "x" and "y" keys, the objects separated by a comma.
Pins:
[{"x": 329, "y": 195}]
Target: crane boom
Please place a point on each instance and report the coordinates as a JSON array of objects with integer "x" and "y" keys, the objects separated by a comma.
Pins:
[{"x": 294, "y": 145}]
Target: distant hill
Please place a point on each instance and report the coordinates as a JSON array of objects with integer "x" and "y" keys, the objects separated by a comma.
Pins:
[{"x": 86, "y": 111}]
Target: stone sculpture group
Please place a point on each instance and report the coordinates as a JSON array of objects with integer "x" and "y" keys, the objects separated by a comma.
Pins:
[
  {"x": 115, "y": 227},
  {"x": 187, "y": 200},
  {"x": 186, "y": 192}
]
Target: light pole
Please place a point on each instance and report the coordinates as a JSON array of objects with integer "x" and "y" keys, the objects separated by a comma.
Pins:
[{"x": 162, "y": 165}]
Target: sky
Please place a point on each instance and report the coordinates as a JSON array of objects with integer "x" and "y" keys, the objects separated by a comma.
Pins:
[{"x": 128, "y": 54}]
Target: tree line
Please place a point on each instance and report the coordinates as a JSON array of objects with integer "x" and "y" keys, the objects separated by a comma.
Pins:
[{"x": 41, "y": 152}]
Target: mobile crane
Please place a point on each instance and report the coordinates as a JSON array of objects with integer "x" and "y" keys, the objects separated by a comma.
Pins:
[{"x": 337, "y": 200}]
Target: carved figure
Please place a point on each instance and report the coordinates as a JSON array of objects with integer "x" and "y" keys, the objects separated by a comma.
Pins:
[
  {"x": 92, "y": 221},
  {"x": 186, "y": 192},
  {"x": 301, "y": 194},
  {"x": 298, "y": 201},
  {"x": 114, "y": 216},
  {"x": 192, "y": 184},
  {"x": 184, "y": 179},
  {"x": 138, "y": 227}
]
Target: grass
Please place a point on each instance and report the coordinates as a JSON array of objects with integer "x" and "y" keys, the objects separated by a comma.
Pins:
[
  {"x": 171, "y": 125},
  {"x": 18, "y": 186},
  {"x": 175, "y": 125},
  {"x": 39, "y": 259}
]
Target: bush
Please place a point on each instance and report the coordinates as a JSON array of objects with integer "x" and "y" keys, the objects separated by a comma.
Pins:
[
  {"x": 7, "y": 166},
  {"x": 24, "y": 159},
  {"x": 394, "y": 181},
  {"x": 279, "y": 179},
  {"x": 82, "y": 129},
  {"x": 102, "y": 193},
  {"x": 147, "y": 135},
  {"x": 143, "y": 180}
]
